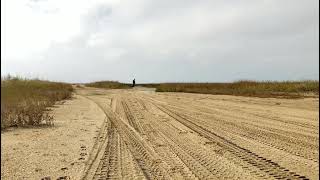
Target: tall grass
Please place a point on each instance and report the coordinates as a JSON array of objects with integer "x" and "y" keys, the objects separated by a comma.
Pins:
[
  {"x": 109, "y": 85},
  {"x": 286, "y": 89},
  {"x": 25, "y": 102}
]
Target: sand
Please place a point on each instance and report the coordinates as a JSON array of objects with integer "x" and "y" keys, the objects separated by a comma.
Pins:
[
  {"x": 141, "y": 134},
  {"x": 58, "y": 151}
]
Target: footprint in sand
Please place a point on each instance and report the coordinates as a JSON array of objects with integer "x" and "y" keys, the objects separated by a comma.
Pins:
[
  {"x": 64, "y": 168},
  {"x": 63, "y": 178},
  {"x": 37, "y": 170}
]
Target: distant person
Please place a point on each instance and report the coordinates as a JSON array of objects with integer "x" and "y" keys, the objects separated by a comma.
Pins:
[{"x": 133, "y": 82}]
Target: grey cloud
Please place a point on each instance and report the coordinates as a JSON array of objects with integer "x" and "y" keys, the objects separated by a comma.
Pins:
[{"x": 161, "y": 41}]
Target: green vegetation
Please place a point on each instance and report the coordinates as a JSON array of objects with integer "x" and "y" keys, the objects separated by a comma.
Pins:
[
  {"x": 285, "y": 89},
  {"x": 109, "y": 85},
  {"x": 24, "y": 102}
]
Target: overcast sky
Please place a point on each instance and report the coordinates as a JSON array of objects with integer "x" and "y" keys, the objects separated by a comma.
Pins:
[{"x": 160, "y": 40}]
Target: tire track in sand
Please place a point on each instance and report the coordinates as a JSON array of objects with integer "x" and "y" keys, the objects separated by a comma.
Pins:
[
  {"x": 266, "y": 166},
  {"x": 149, "y": 162},
  {"x": 143, "y": 145}
]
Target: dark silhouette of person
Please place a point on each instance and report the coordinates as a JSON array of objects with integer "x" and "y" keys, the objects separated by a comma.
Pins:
[{"x": 133, "y": 82}]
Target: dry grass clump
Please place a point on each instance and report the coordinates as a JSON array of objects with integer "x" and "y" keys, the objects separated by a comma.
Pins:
[
  {"x": 109, "y": 85},
  {"x": 285, "y": 89},
  {"x": 24, "y": 102}
]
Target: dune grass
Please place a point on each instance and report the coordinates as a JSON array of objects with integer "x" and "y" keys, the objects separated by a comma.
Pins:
[
  {"x": 284, "y": 89},
  {"x": 25, "y": 102},
  {"x": 108, "y": 85}
]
